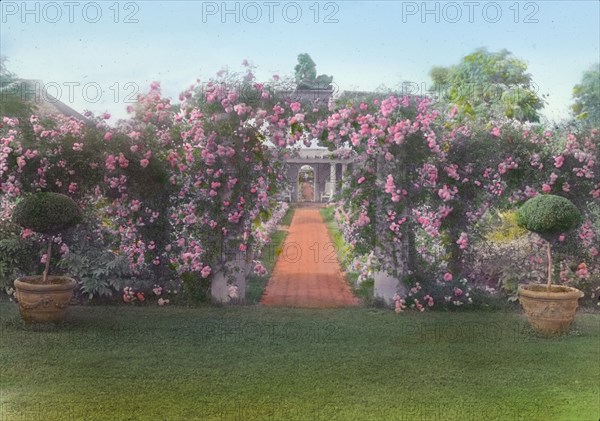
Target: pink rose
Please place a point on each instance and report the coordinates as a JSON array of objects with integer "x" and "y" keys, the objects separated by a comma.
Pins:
[
  {"x": 559, "y": 161},
  {"x": 205, "y": 271}
]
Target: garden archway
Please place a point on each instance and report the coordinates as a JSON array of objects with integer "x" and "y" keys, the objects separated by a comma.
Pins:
[
  {"x": 328, "y": 168},
  {"x": 306, "y": 184}
]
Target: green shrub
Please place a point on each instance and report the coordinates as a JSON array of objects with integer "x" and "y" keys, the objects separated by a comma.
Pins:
[
  {"x": 505, "y": 229},
  {"x": 548, "y": 214},
  {"x": 47, "y": 213},
  {"x": 195, "y": 288},
  {"x": 15, "y": 253}
]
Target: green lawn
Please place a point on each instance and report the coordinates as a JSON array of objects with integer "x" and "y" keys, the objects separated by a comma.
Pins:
[
  {"x": 254, "y": 363},
  {"x": 342, "y": 248}
]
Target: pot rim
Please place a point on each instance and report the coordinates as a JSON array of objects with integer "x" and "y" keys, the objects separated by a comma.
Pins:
[
  {"x": 572, "y": 293},
  {"x": 23, "y": 284}
]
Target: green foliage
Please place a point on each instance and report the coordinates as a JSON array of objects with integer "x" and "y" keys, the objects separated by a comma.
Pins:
[
  {"x": 548, "y": 214},
  {"x": 195, "y": 288},
  {"x": 8, "y": 229},
  {"x": 287, "y": 218},
  {"x": 587, "y": 96},
  {"x": 507, "y": 229},
  {"x": 99, "y": 274},
  {"x": 13, "y": 98},
  {"x": 15, "y": 253},
  {"x": 343, "y": 250},
  {"x": 306, "y": 74},
  {"x": 11, "y": 104},
  {"x": 47, "y": 213},
  {"x": 364, "y": 291},
  {"x": 256, "y": 283},
  {"x": 99, "y": 270},
  {"x": 489, "y": 85}
]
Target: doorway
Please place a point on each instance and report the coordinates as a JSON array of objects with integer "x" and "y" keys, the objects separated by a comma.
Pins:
[{"x": 307, "y": 183}]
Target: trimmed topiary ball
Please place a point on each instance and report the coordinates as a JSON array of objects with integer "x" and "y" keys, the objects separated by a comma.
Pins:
[
  {"x": 47, "y": 213},
  {"x": 548, "y": 214}
]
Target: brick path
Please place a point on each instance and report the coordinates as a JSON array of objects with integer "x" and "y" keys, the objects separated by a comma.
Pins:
[{"x": 303, "y": 276}]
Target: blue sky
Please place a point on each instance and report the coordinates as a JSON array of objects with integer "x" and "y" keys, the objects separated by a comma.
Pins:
[{"x": 120, "y": 47}]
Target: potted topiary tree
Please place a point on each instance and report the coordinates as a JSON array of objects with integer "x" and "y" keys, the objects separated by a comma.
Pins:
[
  {"x": 550, "y": 309},
  {"x": 44, "y": 299}
]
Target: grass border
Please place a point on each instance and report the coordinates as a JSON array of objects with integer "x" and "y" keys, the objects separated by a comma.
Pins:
[{"x": 256, "y": 284}]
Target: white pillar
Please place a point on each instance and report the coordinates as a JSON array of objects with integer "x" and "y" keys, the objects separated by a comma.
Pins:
[
  {"x": 344, "y": 177},
  {"x": 332, "y": 177},
  {"x": 316, "y": 183}
]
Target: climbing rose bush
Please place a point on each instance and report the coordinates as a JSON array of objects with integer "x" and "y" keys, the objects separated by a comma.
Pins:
[
  {"x": 422, "y": 176},
  {"x": 178, "y": 189},
  {"x": 173, "y": 190}
]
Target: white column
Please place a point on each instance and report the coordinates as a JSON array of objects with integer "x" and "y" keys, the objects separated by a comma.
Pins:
[
  {"x": 344, "y": 177},
  {"x": 332, "y": 177},
  {"x": 316, "y": 196}
]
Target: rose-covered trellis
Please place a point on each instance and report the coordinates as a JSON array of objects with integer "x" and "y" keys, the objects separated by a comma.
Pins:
[
  {"x": 422, "y": 170},
  {"x": 176, "y": 191},
  {"x": 173, "y": 190}
]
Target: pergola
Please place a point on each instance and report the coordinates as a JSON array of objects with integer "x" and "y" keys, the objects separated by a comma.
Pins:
[{"x": 329, "y": 169}]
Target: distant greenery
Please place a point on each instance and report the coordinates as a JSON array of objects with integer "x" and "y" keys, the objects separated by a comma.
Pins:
[
  {"x": 507, "y": 229},
  {"x": 587, "y": 96},
  {"x": 12, "y": 98},
  {"x": 488, "y": 85},
  {"x": 306, "y": 74}
]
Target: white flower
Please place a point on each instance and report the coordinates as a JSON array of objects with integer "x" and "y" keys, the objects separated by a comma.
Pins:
[{"x": 232, "y": 292}]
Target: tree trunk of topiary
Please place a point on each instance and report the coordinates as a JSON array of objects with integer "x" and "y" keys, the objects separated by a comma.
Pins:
[
  {"x": 47, "y": 269},
  {"x": 549, "y": 255}
]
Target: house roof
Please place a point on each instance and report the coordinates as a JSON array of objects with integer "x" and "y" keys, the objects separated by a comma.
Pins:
[{"x": 34, "y": 92}]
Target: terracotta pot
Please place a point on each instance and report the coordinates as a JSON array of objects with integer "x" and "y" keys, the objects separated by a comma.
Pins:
[
  {"x": 549, "y": 312},
  {"x": 44, "y": 303}
]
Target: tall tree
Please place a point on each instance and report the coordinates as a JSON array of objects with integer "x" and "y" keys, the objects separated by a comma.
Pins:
[
  {"x": 306, "y": 74},
  {"x": 488, "y": 85},
  {"x": 12, "y": 99},
  {"x": 587, "y": 96}
]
